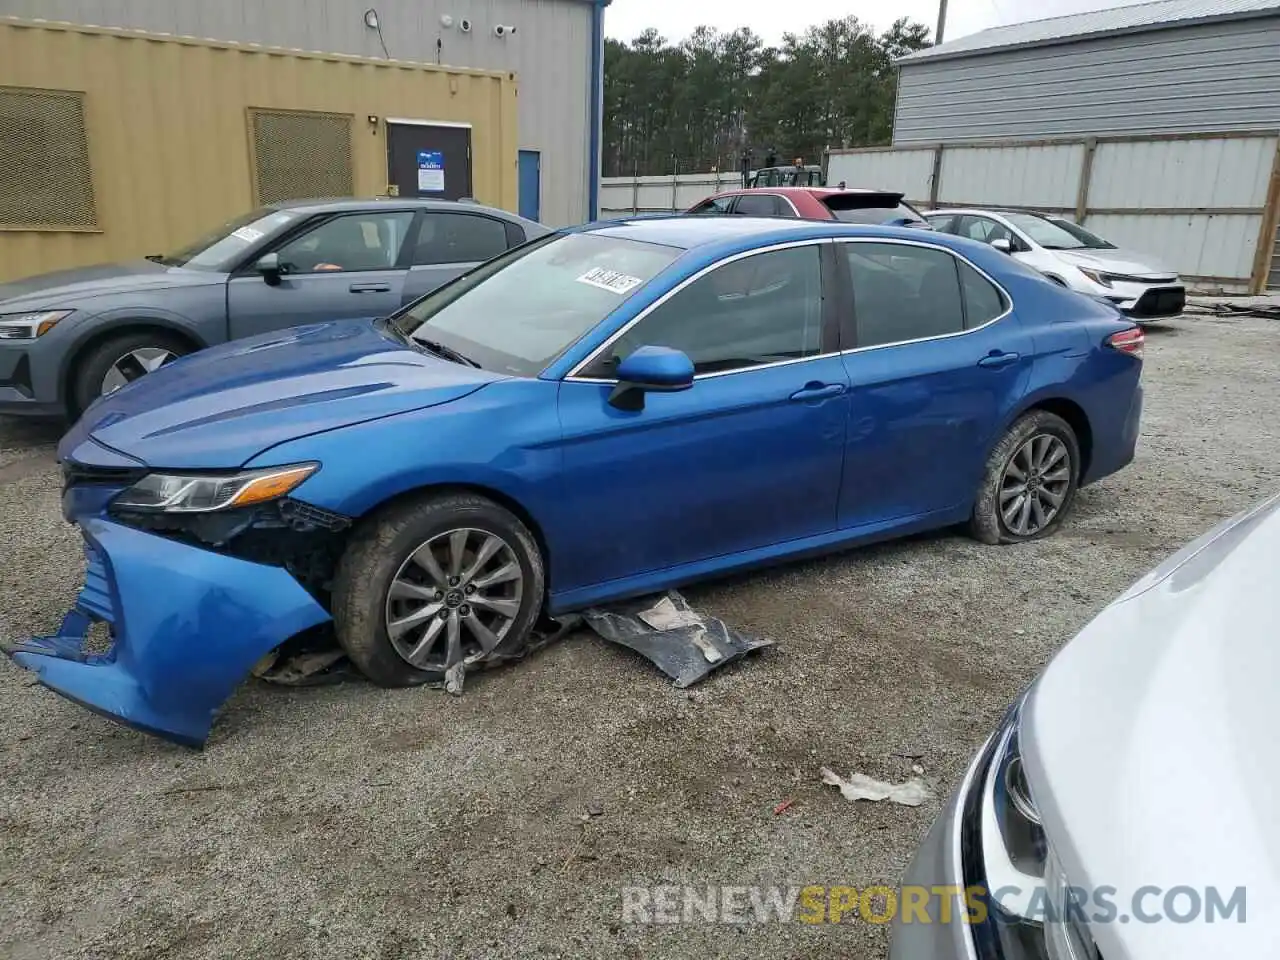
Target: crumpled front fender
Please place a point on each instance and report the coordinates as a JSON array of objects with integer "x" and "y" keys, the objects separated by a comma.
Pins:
[{"x": 187, "y": 625}]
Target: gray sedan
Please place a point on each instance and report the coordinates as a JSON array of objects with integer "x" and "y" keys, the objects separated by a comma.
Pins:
[
  {"x": 1125, "y": 807},
  {"x": 68, "y": 337}
]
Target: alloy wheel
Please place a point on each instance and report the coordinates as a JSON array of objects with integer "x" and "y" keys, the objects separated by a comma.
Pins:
[
  {"x": 455, "y": 597},
  {"x": 134, "y": 364},
  {"x": 1035, "y": 484}
]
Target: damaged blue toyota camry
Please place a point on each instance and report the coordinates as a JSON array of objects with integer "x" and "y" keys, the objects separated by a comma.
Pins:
[{"x": 599, "y": 414}]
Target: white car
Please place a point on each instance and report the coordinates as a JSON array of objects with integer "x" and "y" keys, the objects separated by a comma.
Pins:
[{"x": 1068, "y": 254}]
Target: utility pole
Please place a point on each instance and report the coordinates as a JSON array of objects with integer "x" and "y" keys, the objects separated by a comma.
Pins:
[{"x": 942, "y": 21}]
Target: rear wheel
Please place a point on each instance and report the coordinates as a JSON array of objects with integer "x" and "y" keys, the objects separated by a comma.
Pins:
[
  {"x": 121, "y": 360},
  {"x": 429, "y": 584},
  {"x": 1030, "y": 481}
]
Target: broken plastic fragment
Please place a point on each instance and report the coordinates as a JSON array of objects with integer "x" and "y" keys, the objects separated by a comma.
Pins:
[
  {"x": 684, "y": 644},
  {"x": 861, "y": 787}
]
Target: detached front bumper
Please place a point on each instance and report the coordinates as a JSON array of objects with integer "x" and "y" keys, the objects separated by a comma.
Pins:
[{"x": 187, "y": 625}]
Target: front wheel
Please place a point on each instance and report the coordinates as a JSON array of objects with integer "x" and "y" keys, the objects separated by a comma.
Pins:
[
  {"x": 1030, "y": 481},
  {"x": 121, "y": 360},
  {"x": 427, "y": 585}
]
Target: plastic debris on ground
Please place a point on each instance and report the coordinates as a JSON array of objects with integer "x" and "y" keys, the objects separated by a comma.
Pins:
[
  {"x": 859, "y": 786},
  {"x": 315, "y": 660},
  {"x": 682, "y": 643}
]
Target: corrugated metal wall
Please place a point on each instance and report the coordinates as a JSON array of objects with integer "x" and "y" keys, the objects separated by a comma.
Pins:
[
  {"x": 910, "y": 171},
  {"x": 550, "y": 51},
  {"x": 1205, "y": 205},
  {"x": 622, "y": 196},
  {"x": 1223, "y": 76},
  {"x": 168, "y": 138}
]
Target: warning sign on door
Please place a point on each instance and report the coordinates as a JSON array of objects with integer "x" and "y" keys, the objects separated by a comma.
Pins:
[{"x": 430, "y": 171}]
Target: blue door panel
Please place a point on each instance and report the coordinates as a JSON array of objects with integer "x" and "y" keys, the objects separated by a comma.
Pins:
[
  {"x": 923, "y": 418},
  {"x": 530, "y": 183},
  {"x": 731, "y": 464}
]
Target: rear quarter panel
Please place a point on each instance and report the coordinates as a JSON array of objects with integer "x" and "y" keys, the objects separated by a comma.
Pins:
[{"x": 1074, "y": 363}]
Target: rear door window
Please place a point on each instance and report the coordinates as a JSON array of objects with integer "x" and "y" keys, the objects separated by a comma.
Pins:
[
  {"x": 903, "y": 292},
  {"x": 458, "y": 238}
]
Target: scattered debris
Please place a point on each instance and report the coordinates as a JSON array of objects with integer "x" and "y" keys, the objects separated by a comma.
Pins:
[
  {"x": 784, "y": 806},
  {"x": 1267, "y": 310},
  {"x": 917, "y": 770},
  {"x": 595, "y": 808},
  {"x": 682, "y": 643},
  {"x": 861, "y": 787}
]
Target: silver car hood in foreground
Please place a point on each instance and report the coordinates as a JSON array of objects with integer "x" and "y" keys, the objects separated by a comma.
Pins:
[
  {"x": 1152, "y": 748},
  {"x": 1128, "y": 263}
]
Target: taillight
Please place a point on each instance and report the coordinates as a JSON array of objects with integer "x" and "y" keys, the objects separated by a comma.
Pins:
[{"x": 1129, "y": 341}]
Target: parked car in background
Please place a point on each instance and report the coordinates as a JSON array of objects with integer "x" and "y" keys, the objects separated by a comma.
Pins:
[
  {"x": 1076, "y": 834},
  {"x": 1074, "y": 257},
  {"x": 881, "y": 207},
  {"x": 603, "y": 413},
  {"x": 68, "y": 337}
]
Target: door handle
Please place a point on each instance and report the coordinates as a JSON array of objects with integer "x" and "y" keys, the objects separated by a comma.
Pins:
[
  {"x": 817, "y": 391},
  {"x": 997, "y": 359},
  {"x": 370, "y": 288}
]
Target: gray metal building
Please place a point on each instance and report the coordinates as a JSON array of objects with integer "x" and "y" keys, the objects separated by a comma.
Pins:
[
  {"x": 555, "y": 47},
  {"x": 1173, "y": 66}
]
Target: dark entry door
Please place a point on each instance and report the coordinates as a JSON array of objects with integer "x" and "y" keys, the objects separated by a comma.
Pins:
[{"x": 425, "y": 160}]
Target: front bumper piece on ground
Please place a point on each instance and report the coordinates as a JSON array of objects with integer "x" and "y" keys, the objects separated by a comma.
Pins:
[{"x": 187, "y": 626}]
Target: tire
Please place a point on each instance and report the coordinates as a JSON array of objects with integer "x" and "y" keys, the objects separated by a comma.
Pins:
[
  {"x": 92, "y": 369},
  {"x": 999, "y": 486},
  {"x": 382, "y": 553}
]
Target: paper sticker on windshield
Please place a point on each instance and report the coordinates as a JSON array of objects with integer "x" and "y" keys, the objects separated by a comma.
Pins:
[
  {"x": 610, "y": 280},
  {"x": 247, "y": 234}
]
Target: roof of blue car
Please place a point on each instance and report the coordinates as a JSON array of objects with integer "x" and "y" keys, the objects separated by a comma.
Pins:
[{"x": 689, "y": 232}]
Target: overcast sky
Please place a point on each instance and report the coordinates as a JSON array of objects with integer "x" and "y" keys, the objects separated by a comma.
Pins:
[{"x": 675, "y": 19}]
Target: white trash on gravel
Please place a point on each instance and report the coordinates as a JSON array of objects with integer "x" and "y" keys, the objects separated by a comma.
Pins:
[{"x": 861, "y": 787}]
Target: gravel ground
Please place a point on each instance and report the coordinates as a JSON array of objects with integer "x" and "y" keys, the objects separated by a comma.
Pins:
[{"x": 353, "y": 822}]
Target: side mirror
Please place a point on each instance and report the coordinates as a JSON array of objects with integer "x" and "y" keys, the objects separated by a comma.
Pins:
[
  {"x": 650, "y": 370},
  {"x": 1003, "y": 245},
  {"x": 269, "y": 266}
]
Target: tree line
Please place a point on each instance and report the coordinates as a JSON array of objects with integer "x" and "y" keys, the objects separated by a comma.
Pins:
[{"x": 702, "y": 103}]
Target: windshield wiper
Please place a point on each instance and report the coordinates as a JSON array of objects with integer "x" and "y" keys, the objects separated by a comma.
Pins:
[{"x": 447, "y": 352}]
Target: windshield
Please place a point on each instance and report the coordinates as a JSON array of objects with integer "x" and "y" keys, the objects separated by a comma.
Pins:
[
  {"x": 517, "y": 313},
  {"x": 1054, "y": 234},
  {"x": 1091, "y": 240},
  {"x": 219, "y": 250}
]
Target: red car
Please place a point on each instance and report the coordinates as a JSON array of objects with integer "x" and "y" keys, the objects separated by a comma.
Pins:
[{"x": 815, "y": 203}]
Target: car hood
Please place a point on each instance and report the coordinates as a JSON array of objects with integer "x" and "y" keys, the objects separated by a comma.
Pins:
[
  {"x": 63, "y": 286},
  {"x": 1128, "y": 263},
  {"x": 1150, "y": 745},
  {"x": 221, "y": 407}
]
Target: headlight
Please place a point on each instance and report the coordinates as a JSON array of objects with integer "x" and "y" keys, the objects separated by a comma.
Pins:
[
  {"x": 204, "y": 493},
  {"x": 28, "y": 326},
  {"x": 1101, "y": 279},
  {"x": 1014, "y": 860}
]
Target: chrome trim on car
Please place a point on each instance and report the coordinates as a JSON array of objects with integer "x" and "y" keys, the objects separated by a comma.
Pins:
[
  {"x": 931, "y": 246},
  {"x": 575, "y": 377}
]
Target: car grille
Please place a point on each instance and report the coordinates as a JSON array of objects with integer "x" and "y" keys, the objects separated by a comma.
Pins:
[
  {"x": 95, "y": 595},
  {"x": 1161, "y": 302},
  {"x": 76, "y": 474}
]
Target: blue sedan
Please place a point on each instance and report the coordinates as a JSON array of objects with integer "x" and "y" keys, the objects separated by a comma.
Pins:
[{"x": 597, "y": 414}]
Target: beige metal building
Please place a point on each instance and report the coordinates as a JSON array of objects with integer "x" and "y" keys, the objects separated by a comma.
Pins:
[
  {"x": 554, "y": 47},
  {"x": 117, "y": 143}
]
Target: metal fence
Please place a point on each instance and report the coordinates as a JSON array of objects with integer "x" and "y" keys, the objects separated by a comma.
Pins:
[
  {"x": 624, "y": 196},
  {"x": 1207, "y": 204}
]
